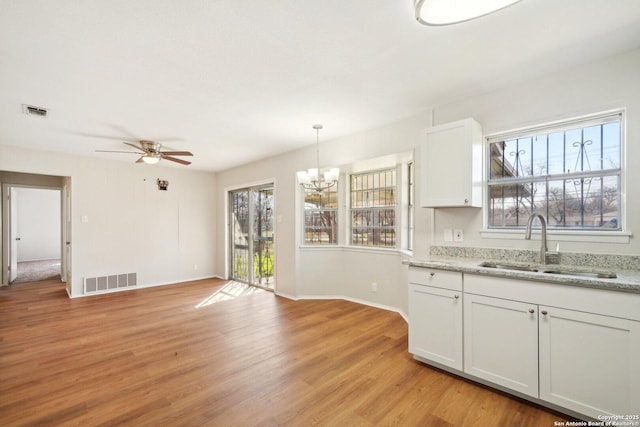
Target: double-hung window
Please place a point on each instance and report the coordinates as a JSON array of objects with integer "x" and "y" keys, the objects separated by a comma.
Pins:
[
  {"x": 373, "y": 208},
  {"x": 569, "y": 172},
  {"x": 321, "y": 217}
]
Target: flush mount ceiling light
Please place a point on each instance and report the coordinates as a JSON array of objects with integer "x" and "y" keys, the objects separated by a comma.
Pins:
[
  {"x": 445, "y": 12},
  {"x": 315, "y": 179}
]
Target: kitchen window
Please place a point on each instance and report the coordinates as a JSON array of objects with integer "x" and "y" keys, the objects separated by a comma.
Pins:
[
  {"x": 373, "y": 208},
  {"x": 321, "y": 217},
  {"x": 570, "y": 172}
]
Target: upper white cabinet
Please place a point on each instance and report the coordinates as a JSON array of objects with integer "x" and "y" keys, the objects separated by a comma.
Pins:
[{"x": 451, "y": 165}]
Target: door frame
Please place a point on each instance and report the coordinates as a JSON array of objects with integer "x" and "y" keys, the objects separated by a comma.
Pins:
[
  {"x": 228, "y": 224},
  {"x": 65, "y": 228}
]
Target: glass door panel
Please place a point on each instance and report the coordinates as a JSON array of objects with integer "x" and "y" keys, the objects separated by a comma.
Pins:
[{"x": 251, "y": 231}]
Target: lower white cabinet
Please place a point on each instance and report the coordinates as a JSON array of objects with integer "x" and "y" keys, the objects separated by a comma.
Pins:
[
  {"x": 571, "y": 347},
  {"x": 435, "y": 326},
  {"x": 589, "y": 363},
  {"x": 435, "y": 316},
  {"x": 501, "y": 342}
]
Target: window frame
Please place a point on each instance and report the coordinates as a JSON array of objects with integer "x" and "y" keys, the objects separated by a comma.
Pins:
[
  {"x": 396, "y": 208},
  {"x": 337, "y": 216},
  {"x": 563, "y": 234}
]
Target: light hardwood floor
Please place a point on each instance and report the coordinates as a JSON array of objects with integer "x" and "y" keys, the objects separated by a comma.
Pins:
[{"x": 172, "y": 356}]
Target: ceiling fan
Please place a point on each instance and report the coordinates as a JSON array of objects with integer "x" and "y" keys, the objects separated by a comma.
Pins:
[{"x": 150, "y": 152}]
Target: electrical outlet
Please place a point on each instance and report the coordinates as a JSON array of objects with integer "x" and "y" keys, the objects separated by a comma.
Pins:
[
  {"x": 458, "y": 236},
  {"x": 447, "y": 235},
  {"x": 374, "y": 287}
]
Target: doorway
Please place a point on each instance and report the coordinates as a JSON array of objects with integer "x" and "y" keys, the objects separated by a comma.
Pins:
[
  {"x": 35, "y": 234},
  {"x": 36, "y": 228},
  {"x": 251, "y": 234}
]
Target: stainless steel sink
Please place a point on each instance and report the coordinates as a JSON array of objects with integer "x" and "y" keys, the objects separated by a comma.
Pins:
[
  {"x": 592, "y": 274},
  {"x": 509, "y": 266},
  {"x": 566, "y": 271}
]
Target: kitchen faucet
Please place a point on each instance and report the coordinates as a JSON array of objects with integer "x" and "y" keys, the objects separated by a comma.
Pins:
[{"x": 543, "y": 235}]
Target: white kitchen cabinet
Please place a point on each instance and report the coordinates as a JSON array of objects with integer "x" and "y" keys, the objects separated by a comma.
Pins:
[
  {"x": 501, "y": 342},
  {"x": 589, "y": 362},
  {"x": 451, "y": 165},
  {"x": 588, "y": 342},
  {"x": 435, "y": 316}
]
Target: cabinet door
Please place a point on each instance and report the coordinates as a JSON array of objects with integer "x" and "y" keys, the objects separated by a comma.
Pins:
[
  {"x": 451, "y": 165},
  {"x": 435, "y": 324},
  {"x": 501, "y": 342},
  {"x": 589, "y": 363}
]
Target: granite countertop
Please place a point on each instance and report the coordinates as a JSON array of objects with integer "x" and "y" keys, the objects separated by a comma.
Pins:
[{"x": 626, "y": 280}]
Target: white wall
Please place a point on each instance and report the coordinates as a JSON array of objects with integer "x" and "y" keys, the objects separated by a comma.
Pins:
[
  {"x": 599, "y": 86},
  {"x": 602, "y": 85},
  {"x": 38, "y": 224},
  {"x": 324, "y": 271},
  {"x": 131, "y": 225}
]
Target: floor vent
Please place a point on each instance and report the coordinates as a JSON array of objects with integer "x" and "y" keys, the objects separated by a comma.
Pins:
[
  {"x": 107, "y": 283},
  {"x": 34, "y": 111}
]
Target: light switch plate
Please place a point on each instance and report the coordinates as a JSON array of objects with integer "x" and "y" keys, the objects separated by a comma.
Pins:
[
  {"x": 458, "y": 235},
  {"x": 447, "y": 235}
]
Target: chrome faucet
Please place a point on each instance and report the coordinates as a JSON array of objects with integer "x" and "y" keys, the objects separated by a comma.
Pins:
[{"x": 543, "y": 235}]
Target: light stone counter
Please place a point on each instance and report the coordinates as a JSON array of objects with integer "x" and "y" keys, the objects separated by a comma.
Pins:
[{"x": 627, "y": 280}]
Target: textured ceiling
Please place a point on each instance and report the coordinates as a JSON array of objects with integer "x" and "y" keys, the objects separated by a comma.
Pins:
[{"x": 237, "y": 80}]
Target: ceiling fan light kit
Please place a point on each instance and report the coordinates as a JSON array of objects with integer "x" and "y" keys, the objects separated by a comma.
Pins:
[
  {"x": 151, "y": 153},
  {"x": 447, "y": 12}
]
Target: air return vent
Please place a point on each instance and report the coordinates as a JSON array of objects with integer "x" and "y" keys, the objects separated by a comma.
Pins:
[
  {"x": 109, "y": 283},
  {"x": 34, "y": 111}
]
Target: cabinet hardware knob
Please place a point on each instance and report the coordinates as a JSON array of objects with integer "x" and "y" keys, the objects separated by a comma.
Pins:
[
  {"x": 531, "y": 310},
  {"x": 432, "y": 274},
  {"x": 466, "y": 201},
  {"x": 456, "y": 296},
  {"x": 544, "y": 312}
]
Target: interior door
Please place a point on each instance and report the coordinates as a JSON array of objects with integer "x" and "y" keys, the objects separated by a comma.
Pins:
[
  {"x": 13, "y": 234},
  {"x": 251, "y": 231}
]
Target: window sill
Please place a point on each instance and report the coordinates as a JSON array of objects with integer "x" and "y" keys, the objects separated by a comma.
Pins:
[
  {"x": 621, "y": 237},
  {"x": 390, "y": 251}
]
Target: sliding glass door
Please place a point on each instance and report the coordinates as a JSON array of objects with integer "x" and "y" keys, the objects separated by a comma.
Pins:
[{"x": 251, "y": 232}]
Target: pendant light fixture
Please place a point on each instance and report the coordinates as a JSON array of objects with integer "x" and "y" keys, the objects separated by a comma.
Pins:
[
  {"x": 445, "y": 12},
  {"x": 314, "y": 178}
]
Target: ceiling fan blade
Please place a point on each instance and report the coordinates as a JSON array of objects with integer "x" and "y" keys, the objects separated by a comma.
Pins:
[
  {"x": 140, "y": 160},
  {"x": 177, "y": 153},
  {"x": 116, "y": 151},
  {"x": 135, "y": 146},
  {"x": 173, "y": 159}
]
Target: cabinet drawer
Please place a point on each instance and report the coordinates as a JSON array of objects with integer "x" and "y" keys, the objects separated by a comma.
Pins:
[{"x": 437, "y": 278}]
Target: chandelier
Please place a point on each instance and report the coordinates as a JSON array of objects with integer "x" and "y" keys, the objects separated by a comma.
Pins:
[{"x": 314, "y": 178}]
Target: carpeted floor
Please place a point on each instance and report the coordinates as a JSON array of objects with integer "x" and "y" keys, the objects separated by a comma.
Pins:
[{"x": 34, "y": 271}]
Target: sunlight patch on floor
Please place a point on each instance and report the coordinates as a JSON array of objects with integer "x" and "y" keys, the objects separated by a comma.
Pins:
[{"x": 229, "y": 291}]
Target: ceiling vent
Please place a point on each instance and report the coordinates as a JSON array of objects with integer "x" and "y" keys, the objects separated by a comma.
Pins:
[{"x": 34, "y": 111}]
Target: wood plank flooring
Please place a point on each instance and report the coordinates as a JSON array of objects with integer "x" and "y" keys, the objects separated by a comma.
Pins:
[{"x": 174, "y": 356}]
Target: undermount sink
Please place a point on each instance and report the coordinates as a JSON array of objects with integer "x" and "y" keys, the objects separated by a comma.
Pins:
[
  {"x": 599, "y": 274},
  {"x": 508, "y": 266}
]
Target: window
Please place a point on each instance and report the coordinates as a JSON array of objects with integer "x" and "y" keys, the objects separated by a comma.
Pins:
[
  {"x": 373, "y": 208},
  {"x": 568, "y": 172},
  {"x": 321, "y": 217},
  {"x": 410, "y": 197}
]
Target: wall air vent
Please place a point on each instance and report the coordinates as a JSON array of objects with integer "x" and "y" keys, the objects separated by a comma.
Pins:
[
  {"x": 34, "y": 111},
  {"x": 109, "y": 283}
]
